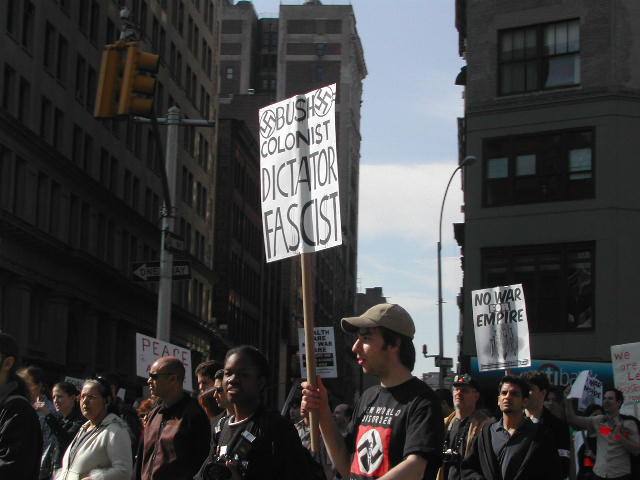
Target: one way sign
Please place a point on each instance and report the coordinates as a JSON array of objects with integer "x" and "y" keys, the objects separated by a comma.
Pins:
[{"x": 150, "y": 271}]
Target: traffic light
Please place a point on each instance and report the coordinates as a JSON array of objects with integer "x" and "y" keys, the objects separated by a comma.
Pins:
[
  {"x": 138, "y": 84},
  {"x": 108, "y": 83}
]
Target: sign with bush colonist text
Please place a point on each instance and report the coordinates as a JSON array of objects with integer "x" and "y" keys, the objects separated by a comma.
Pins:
[
  {"x": 299, "y": 175},
  {"x": 501, "y": 328}
]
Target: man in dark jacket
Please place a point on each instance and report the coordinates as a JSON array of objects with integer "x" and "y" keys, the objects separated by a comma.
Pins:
[
  {"x": 177, "y": 431},
  {"x": 20, "y": 434},
  {"x": 539, "y": 386},
  {"x": 513, "y": 448}
]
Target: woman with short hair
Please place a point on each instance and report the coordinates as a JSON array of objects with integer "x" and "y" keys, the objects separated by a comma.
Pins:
[{"x": 101, "y": 450}]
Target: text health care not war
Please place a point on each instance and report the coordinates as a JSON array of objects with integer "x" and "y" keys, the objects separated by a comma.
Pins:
[{"x": 299, "y": 175}]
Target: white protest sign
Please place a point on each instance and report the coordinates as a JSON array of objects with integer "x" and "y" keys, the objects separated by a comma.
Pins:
[
  {"x": 625, "y": 361},
  {"x": 587, "y": 389},
  {"x": 149, "y": 349},
  {"x": 299, "y": 175},
  {"x": 325, "y": 342},
  {"x": 501, "y": 328}
]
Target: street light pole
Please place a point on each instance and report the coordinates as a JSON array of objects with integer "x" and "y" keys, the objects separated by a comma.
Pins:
[{"x": 467, "y": 161}]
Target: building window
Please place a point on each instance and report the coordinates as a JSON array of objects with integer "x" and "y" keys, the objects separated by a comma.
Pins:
[
  {"x": 61, "y": 59},
  {"x": 28, "y": 17},
  {"x": 49, "y": 46},
  {"x": 12, "y": 16},
  {"x": 539, "y": 57},
  {"x": 228, "y": 73},
  {"x": 557, "y": 280},
  {"x": 24, "y": 98},
  {"x": 46, "y": 115},
  {"x": 547, "y": 167}
]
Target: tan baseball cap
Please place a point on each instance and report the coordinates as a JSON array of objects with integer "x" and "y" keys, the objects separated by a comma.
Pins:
[{"x": 388, "y": 315}]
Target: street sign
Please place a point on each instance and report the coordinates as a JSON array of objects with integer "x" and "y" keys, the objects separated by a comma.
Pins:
[
  {"x": 446, "y": 362},
  {"x": 173, "y": 242},
  {"x": 150, "y": 271}
]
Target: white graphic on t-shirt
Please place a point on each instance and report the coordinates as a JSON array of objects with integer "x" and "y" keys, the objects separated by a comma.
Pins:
[{"x": 370, "y": 451}]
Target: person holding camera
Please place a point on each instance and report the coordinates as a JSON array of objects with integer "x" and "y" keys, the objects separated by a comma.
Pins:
[
  {"x": 461, "y": 426},
  {"x": 252, "y": 443}
]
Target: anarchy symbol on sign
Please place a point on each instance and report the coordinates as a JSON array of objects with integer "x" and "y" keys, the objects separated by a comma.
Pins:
[
  {"x": 267, "y": 124},
  {"x": 324, "y": 101}
]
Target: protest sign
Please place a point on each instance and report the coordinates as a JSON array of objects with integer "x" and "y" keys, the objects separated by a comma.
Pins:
[
  {"x": 149, "y": 349},
  {"x": 625, "y": 360},
  {"x": 299, "y": 175},
  {"x": 325, "y": 347},
  {"x": 501, "y": 328},
  {"x": 587, "y": 389}
]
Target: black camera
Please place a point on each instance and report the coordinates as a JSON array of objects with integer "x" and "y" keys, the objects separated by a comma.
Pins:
[
  {"x": 451, "y": 456},
  {"x": 237, "y": 456}
]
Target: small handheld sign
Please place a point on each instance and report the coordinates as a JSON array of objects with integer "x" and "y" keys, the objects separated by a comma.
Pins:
[{"x": 299, "y": 194}]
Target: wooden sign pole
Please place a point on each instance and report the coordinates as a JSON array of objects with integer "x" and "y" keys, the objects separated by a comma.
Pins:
[{"x": 307, "y": 302}]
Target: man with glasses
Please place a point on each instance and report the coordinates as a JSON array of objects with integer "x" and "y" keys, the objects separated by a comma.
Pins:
[
  {"x": 461, "y": 426},
  {"x": 20, "y": 436},
  {"x": 177, "y": 431}
]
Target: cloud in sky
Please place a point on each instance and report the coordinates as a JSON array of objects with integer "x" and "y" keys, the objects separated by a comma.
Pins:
[
  {"x": 404, "y": 201},
  {"x": 398, "y": 232}
]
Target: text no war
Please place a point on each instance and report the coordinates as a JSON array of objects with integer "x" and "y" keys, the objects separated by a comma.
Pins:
[{"x": 313, "y": 223}]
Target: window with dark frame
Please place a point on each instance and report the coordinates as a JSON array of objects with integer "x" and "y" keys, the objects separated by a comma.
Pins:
[
  {"x": 539, "y": 57},
  {"x": 558, "y": 282},
  {"x": 541, "y": 167}
]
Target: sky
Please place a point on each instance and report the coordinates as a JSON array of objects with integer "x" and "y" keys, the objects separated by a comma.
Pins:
[{"x": 409, "y": 146}]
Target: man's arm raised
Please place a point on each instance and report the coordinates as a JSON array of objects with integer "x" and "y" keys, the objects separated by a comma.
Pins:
[
  {"x": 317, "y": 399},
  {"x": 581, "y": 422}
]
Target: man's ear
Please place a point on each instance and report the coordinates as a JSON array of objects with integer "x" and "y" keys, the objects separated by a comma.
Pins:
[{"x": 8, "y": 363}]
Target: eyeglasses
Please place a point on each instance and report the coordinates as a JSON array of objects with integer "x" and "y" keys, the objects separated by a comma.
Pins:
[{"x": 154, "y": 376}]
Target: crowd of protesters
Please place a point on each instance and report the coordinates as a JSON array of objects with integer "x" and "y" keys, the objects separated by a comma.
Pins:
[{"x": 398, "y": 429}]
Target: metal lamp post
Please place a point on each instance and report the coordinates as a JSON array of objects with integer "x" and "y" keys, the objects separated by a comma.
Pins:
[{"x": 467, "y": 161}]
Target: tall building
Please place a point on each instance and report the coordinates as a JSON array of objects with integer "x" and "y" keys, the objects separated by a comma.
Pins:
[
  {"x": 308, "y": 46},
  {"x": 552, "y": 92},
  {"x": 80, "y": 198}
]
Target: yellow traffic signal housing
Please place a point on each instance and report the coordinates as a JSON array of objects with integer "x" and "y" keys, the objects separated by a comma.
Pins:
[
  {"x": 109, "y": 80},
  {"x": 137, "y": 86}
]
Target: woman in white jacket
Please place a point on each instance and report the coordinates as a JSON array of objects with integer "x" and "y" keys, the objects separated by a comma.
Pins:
[{"x": 102, "y": 449}]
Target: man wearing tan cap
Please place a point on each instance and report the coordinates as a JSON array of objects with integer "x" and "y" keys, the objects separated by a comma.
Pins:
[{"x": 396, "y": 429}]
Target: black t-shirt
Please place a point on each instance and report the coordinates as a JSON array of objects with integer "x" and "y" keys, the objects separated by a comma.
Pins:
[
  {"x": 276, "y": 453},
  {"x": 389, "y": 424}
]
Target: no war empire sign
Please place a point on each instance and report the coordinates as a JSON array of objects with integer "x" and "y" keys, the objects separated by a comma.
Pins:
[
  {"x": 501, "y": 328},
  {"x": 299, "y": 175}
]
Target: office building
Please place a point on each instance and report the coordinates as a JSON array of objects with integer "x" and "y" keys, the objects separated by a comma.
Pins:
[
  {"x": 80, "y": 198},
  {"x": 552, "y": 94}
]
